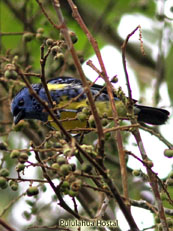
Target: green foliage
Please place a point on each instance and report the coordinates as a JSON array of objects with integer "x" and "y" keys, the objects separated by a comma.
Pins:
[
  {"x": 13, "y": 41},
  {"x": 169, "y": 70}
]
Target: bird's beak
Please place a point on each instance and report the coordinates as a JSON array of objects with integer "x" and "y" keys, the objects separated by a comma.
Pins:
[{"x": 18, "y": 117}]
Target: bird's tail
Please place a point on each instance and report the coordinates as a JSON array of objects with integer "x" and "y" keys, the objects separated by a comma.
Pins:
[{"x": 151, "y": 115}]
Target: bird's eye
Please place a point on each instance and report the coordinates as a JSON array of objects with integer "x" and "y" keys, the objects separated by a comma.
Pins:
[{"x": 21, "y": 102}]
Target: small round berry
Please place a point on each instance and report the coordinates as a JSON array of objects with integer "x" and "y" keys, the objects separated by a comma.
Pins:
[
  {"x": 39, "y": 37},
  {"x": 14, "y": 186},
  {"x": 32, "y": 191},
  {"x": 65, "y": 184},
  {"x": 81, "y": 116},
  {"x": 86, "y": 167},
  {"x": 72, "y": 193},
  {"x": 114, "y": 79},
  {"x": 3, "y": 182},
  {"x": 86, "y": 111},
  {"x": 49, "y": 42},
  {"x": 14, "y": 154},
  {"x": 59, "y": 56},
  {"x": 40, "y": 30},
  {"x": 66, "y": 150},
  {"x": 55, "y": 166},
  {"x": 11, "y": 74},
  {"x": 91, "y": 121},
  {"x": 136, "y": 172},
  {"x": 65, "y": 169},
  {"x": 61, "y": 160},
  {"x": 104, "y": 122},
  {"x": 149, "y": 163},
  {"x": 20, "y": 167},
  {"x": 168, "y": 153},
  {"x": 28, "y": 36},
  {"x": 3, "y": 146},
  {"x": 55, "y": 50},
  {"x": 4, "y": 172},
  {"x": 23, "y": 157},
  {"x": 73, "y": 36}
]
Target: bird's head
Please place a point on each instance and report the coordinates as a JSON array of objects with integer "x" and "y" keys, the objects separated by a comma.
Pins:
[{"x": 25, "y": 106}]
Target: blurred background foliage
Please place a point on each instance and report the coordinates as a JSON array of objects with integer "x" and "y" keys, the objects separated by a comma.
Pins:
[{"x": 103, "y": 18}]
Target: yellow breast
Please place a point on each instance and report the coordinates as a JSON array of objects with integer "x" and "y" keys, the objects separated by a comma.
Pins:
[{"x": 69, "y": 119}]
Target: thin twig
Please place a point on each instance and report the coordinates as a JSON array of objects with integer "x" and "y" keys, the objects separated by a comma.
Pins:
[
  {"x": 123, "y": 47},
  {"x": 55, "y": 227},
  {"x": 19, "y": 14},
  {"x": 6, "y": 226},
  {"x": 157, "y": 134},
  {"x": 32, "y": 74},
  {"x": 136, "y": 133},
  {"x": 159, "y": 180},
  {"x": 118, "y": 134},
  {"x": 145, "y": 205},
  {"x": 75, "y": 205},
  {"x": 55, "y": 189},
  {"x": 152, "y": 181},
  {"x": 23, "y": 179},
  {"x": 67, "y": 37},
  {"x": 11, "y": 33},
  {"x": 47, "y": 16},
  {"x": 11, "y": 203},
  {"x": 149, "y": 228},
  {"x": 43, "y": 78}
]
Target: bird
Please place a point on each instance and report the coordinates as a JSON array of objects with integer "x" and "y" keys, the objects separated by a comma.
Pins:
[{"x": 69, "y": 96}]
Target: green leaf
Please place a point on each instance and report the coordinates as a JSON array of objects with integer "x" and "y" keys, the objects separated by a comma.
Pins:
[
  {"x": 169, "y": 72},
  {"x": 9, "y": 24}
]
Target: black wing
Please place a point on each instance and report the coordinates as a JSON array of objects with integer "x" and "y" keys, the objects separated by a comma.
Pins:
[{"x": 69, "y": 80}]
